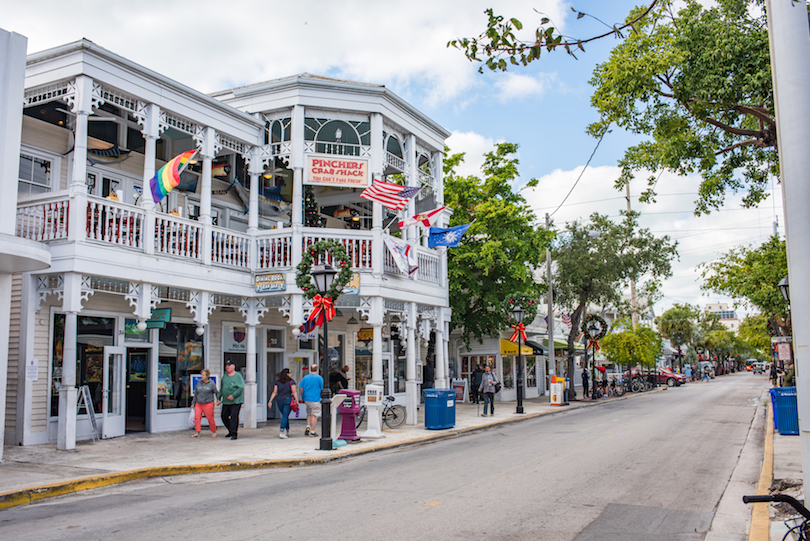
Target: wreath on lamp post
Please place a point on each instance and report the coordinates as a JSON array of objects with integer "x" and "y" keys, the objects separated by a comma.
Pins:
[
  {"x": 313, "y": 253},
  {"x": 529, "y": 308},
  {"x": 587, "y": 320}
]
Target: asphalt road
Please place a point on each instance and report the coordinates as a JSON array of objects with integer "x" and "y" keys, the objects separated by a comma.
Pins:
[{"x": 652, "y": 467}]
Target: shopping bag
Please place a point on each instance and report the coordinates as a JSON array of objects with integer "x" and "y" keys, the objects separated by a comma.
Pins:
[{"x": 191, "y": 418}]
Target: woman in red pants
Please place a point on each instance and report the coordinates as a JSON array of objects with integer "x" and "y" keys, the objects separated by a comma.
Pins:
[{"x": 204, "y": 394}]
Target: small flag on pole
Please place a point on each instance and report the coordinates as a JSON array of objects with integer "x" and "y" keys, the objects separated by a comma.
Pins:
[
  {"x": 566, "y": 319},
  {"x": 389, "y": 195},
  {"x": 167, "y": 177},
  {"x": 427, "y": 219},
  {"x": 446, "y": 237}
]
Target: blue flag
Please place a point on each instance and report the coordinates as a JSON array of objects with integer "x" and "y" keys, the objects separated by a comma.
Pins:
[{"x": 446, "y": 237}]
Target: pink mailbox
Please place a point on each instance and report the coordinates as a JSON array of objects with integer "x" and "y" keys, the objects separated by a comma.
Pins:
[{"x": 348, "y": 410}]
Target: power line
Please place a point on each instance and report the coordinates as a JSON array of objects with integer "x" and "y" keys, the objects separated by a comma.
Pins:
[{"x": 581, "y": 173}]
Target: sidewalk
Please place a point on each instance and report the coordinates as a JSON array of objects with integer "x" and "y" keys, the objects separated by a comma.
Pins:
[
  {"x": 36, "y": 472},
  {"x": 787, "y": 471}
]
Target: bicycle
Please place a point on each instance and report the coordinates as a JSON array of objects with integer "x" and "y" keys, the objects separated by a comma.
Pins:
[
  {"x": 798, "y": 529},
  {"x": 393, "y": 415}
]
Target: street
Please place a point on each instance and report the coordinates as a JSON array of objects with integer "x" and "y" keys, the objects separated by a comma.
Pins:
[{"x": 649, "y": 467}]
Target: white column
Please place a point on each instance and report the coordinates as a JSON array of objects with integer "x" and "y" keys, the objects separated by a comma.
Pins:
[
  {"x": 207, "y": 152},
  {"x": 251, "y": 400},
  {"x": 789, "y": 35},
  {"x": 82, "y": 107},
  {"x": 440, "y": 361},
  {"x": 376, "y": 172},
  {"x": 66, "y": 434},
  {"x": 151, "y": 133},
  {"x": 376, "y": 320},
  {"x": 411, "y": 386}
]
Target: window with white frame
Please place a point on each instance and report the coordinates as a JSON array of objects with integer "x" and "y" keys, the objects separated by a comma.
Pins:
[{"x": 36, "y": 174}]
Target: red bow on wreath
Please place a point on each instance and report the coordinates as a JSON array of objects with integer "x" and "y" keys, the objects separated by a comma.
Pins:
[
  {"x": 594, "y": 343},
  {"x": 520, "y": 329},
  {"x": 321, "y": 306}
]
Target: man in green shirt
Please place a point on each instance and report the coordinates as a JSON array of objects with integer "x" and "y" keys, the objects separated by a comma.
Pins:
[{"x": 231, "y": 396}]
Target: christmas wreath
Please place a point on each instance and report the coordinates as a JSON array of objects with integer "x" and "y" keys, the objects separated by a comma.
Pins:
[
  {"x": 529, "y": 306},
  {"x": 586, "y": 321},
  {"x": 314, "y": 252}
]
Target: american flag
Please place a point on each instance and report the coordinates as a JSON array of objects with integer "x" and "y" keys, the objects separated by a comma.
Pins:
[
  {"x": 389, "y": 195},
  {"x": 566, "y": 318}
]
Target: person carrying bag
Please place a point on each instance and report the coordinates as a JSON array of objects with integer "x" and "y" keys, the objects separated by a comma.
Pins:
[{"x": 489, "y": 386}]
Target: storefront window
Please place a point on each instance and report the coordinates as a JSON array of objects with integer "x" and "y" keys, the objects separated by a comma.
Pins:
[
  {"x": 132, "y": 334},
  {"x": 275, "y": 338},
  {"x": 531, "y": 371},
  {"x": 180, "y": 354},
  {"x": 508, "y": 377},
  {"x": 92, "y": 334}
]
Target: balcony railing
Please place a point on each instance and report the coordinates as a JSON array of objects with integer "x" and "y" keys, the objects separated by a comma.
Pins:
[{"x": 103, "y": 221}]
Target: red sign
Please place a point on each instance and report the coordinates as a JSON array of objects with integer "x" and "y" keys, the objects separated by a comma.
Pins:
[{"x": 339, "y": 172}]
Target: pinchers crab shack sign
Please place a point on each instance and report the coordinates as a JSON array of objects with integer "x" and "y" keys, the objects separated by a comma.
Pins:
[{"x": 338, "y": 172}]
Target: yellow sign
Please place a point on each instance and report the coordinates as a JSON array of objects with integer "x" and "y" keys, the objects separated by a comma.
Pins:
[
  {"x": 511, "y": 348},
  {"x": 365, "y": 335}
]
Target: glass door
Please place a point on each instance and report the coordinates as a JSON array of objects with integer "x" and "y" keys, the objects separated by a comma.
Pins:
[{"x": 112, "y": 402}]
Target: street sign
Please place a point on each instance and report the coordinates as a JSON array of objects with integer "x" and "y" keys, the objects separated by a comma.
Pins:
[{"x": 781, "y": 339}]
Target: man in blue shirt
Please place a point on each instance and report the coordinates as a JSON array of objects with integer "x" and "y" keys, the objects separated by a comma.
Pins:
[{"x": 311, "y": 386}]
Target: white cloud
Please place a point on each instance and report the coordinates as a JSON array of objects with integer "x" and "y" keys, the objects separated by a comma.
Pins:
[
  {"x": 474, "y": 146},
  {"x": 513, "y": 86}
]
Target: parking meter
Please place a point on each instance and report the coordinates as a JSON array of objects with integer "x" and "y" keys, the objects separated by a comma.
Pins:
[{"x": 374, "y": 405}]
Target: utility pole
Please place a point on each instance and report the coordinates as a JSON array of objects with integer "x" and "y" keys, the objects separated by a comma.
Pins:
[
  {"x": 789, "y": 36},
  {"x": 552, "y": 359},
  {"x": 633, "y": 302}
]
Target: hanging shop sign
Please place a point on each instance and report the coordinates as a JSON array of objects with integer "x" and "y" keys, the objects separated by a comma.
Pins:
[
  {"x": 234, "y": 339},
  {"x": 511, "y": 348},
  {"x": 339, "y": 172},
  {"x": 160, "y": 316},
  {"x": 266, "y": 283},
  {"x": 365, "y": 334}
]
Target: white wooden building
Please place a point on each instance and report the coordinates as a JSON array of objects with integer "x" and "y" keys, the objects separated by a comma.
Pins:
[{"x": 210, "y": 270}]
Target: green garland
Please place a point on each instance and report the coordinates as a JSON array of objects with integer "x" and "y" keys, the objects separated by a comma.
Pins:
[
  {"x": 314, "y": 252},
  {"x": 529, "y": 306},
  {"x": 593, "y": 317}
]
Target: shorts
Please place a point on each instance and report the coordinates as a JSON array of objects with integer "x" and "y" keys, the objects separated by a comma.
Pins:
[{"x": 313, "y": 408}]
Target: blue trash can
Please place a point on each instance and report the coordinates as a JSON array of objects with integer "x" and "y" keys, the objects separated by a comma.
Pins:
[
  {"x": 787, "y": 411},
  {"x": 440, "y": 408}
]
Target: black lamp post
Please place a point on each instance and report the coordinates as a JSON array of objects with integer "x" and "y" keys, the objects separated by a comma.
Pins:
[
  {"x": 324, "y": 275},
  {"x": 784, "y": 287},
  {"x": 593, "y": 331},
  {"x": 678, "y": 340},
  {"x": 517, "y": 313}
]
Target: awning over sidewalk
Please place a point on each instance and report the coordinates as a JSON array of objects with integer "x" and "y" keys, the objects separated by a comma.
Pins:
[{"x": 511, "y": 348}]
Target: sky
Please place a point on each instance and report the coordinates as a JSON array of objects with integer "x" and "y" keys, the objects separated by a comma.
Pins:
[{"x": 544, "y": 108}]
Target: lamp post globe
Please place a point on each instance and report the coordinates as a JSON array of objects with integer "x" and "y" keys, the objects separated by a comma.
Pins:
[
  {"x": 593, "y": 331},
  {"x": 518, "y": 313},
  {"x": 324, "y": 275}
]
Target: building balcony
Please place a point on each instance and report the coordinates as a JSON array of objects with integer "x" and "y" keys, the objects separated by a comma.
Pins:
[{"x": 58, "y": 218}]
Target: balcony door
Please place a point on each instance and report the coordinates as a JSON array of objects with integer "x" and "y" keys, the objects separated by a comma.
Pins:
[{"x": 113, "y": 391}]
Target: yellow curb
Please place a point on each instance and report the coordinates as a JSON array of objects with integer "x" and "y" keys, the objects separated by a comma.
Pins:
[
  {"x": 760, "y": 512},
  {"x": 29, "y": 495}
]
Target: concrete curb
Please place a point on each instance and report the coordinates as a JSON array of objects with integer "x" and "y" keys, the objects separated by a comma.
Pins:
[
  {"x": 30, "y": 495},
  {"x": 760, "y": 512}
]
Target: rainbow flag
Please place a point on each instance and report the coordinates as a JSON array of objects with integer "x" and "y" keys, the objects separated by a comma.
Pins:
[{"x": 168, "y": 177}]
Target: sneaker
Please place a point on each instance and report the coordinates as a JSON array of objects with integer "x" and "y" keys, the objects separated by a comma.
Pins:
[
  {"x": 313, "y": 434},
  {"x": 483, "y": 415},
  {"x": 283, "y": 436},
  {"x": 306, "y": 432}
]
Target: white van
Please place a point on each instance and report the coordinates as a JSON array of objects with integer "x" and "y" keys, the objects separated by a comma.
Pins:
[{"x": 702, "y": 368}]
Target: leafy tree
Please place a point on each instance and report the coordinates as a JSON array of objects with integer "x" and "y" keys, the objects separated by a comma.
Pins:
[
  {"x": 753, "y": 332},
  {"x": 751, "y": 277},
  {"x": 595, "y": 262},
  {"x": 498, "y": 42},
  {"x": 678, "y": 324},
  {"x": 633, "y": 345},
  {"x": 698, "y": 82},
  {"x": 500, "y": 250}
]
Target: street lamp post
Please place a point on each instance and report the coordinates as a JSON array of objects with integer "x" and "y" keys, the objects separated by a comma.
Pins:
[
  {"x": 517, "y": 313},
  {"x": 593, "y": 331},
  {"x": 323, "y": 276}
]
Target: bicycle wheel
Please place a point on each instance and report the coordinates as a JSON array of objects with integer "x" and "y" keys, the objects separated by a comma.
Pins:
[
  {"x": 394, "y": 417},
  {"x": 361, "y": 416},
  {"x": 648, "y": 386},
  {"x": 619, "y": 390},
  {"x": 637, "y": 386}
]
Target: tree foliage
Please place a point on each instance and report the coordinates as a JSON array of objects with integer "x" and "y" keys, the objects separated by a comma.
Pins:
[
  {"x": 754, "y": 333},
  {"x": 678, "y": 324},
  {"x": 500, "y": 250},
  {"x": 596, "y": 261},
  {"x": 640, "y": 345},
  {"x": 751, "y": 277},
  {"x": 698, "y": 83},
  {"x": 498, "y": 43}
]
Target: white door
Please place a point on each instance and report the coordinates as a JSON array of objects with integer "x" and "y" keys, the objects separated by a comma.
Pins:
[{"x": 113, "y": 420}]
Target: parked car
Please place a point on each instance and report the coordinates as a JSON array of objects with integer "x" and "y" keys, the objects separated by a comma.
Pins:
[{"x": 663, "y": 376}]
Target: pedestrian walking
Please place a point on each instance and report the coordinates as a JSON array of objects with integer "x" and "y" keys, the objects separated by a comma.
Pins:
[
  {"x": 585, "y": 382},
  {"x": 477, "y": 374},
  {"x": 311, "y": 387},
  {"x": 706, "y": 373},
  {"x": 231, "y": 395},
  {"x": 204, "y": 394},
  {"x": 488, "y": 387},
  {"x": 283, "y": 393}
]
